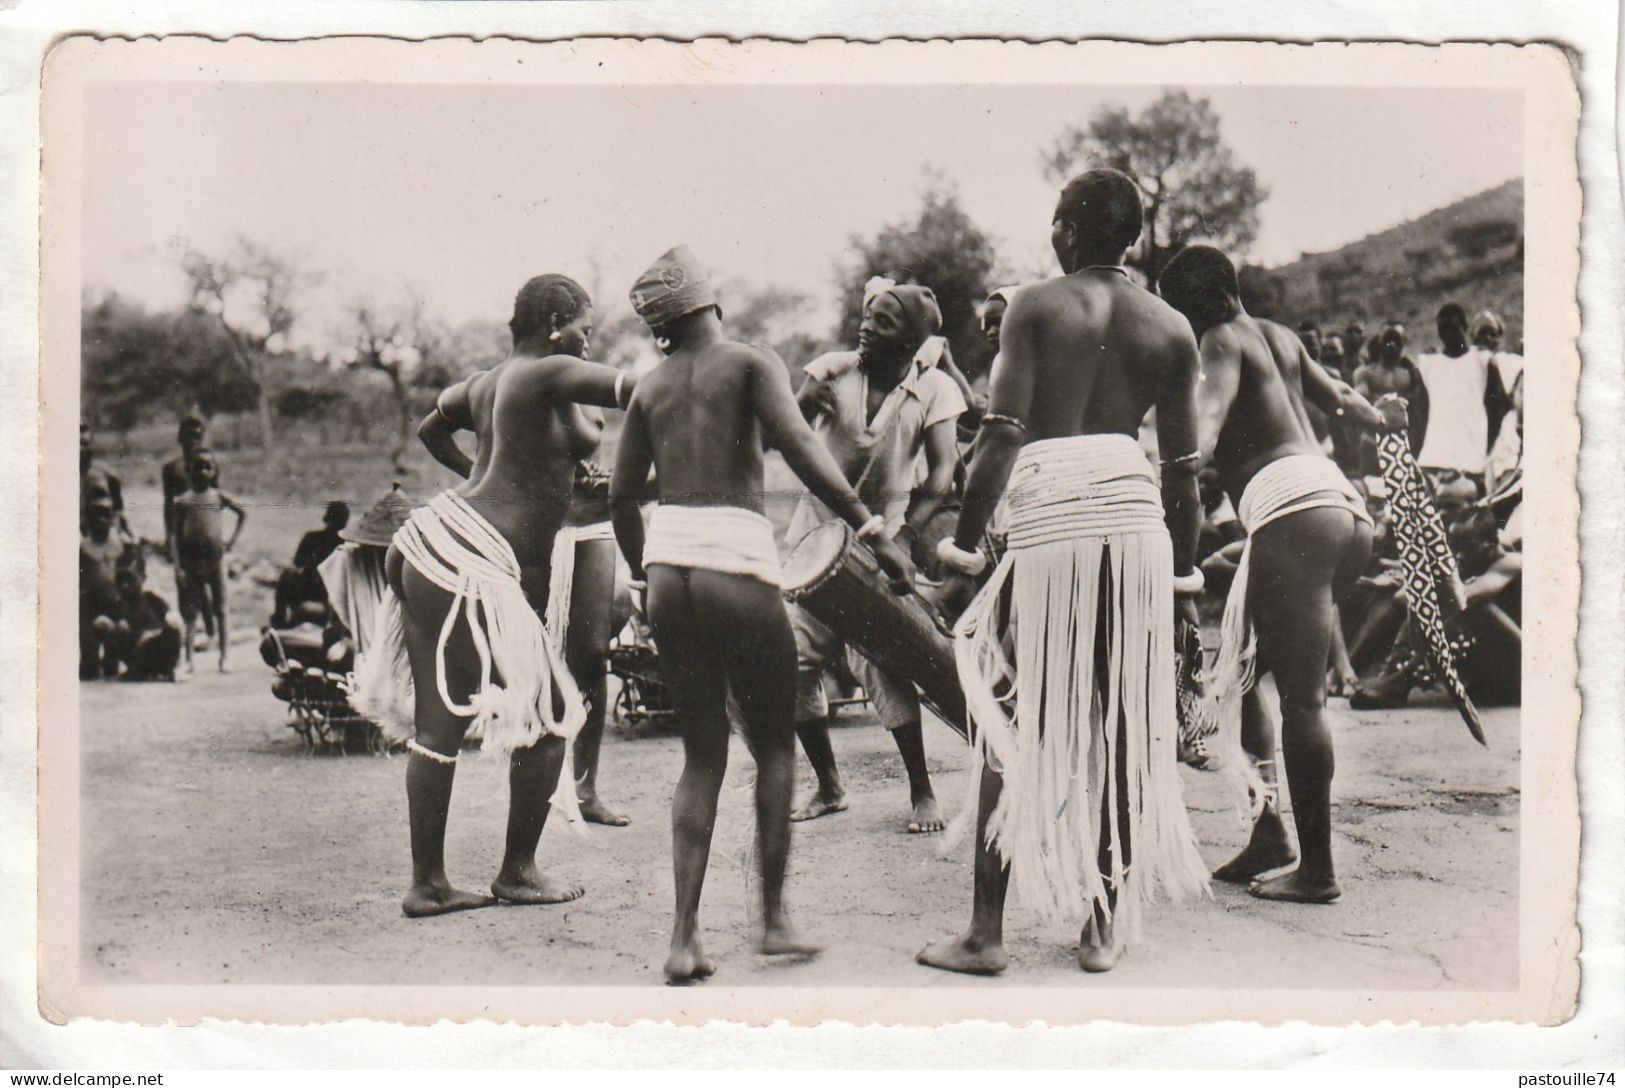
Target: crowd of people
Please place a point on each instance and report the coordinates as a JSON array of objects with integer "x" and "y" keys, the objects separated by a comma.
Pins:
[{"x": 1072, "y": 557}]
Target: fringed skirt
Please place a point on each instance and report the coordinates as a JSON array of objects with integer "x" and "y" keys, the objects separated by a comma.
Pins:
[
  {"x": 524, "y": 692},
  {"x": 1067, "y": 660},
  {"x": 1282, "y": 487}
]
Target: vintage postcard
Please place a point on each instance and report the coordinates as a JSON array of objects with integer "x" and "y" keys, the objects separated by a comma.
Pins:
[{"x": 903, "y": 533}]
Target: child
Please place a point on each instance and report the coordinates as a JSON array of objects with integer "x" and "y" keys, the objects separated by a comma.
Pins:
[{"x": 199, "y": 553}]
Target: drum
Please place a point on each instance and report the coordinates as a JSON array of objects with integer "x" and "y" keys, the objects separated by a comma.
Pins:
[{"x": 836, "y": 579}]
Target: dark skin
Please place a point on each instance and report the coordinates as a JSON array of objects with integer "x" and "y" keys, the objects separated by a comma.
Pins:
[
  {"x": 1392, "y": 371},
  {"x": 1085, "y": 353},
  {"x": 520, "y": 480},
  {"x": 590, "y": 625},
  {"x": 1258, "y": 379},
  {"x": 703, "y": 419},
  {"x": 886, "y": 347}
]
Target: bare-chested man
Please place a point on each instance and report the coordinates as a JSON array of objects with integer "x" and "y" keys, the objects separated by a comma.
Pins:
[
  {"x": 703, "y": 418},
  {"x": 1067, "y": 653},
  {"x": 200, "y": 547},
  {"x": 464, "y": 649},
  {"x": 1309, "y": 538}
]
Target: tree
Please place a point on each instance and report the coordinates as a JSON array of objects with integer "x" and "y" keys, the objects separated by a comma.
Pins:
[
  {"x": 404, "y": 344},
  {"x": 947, "y": 252},
  {"x": 772, "y": 315},
  {"x": 251, "y": 293},
  {"x": 1194, "y": 188}
]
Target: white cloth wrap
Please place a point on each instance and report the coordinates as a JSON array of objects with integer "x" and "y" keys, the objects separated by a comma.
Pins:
[
  {"x": 522, "y": 673},
  {"x": 1041, "y": 705},
  {"x": 1286, "y": 486},
  {"x": 561, "y": 574},
  {"x": 725, "y": 539}
]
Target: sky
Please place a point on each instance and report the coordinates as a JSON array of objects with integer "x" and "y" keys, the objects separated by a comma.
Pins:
[{"x": 460, "y": 193}]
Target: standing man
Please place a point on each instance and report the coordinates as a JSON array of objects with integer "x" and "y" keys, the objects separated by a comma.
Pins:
[
  {"x": 703, "y": 418},
  {"x": 1457, "y": 440},
  {"x": 1309, "y": 539},
  {"x": 877, "y": 410},
  {"x": 1309, "y": 334},
  {"x": 1067, "y": 653}
]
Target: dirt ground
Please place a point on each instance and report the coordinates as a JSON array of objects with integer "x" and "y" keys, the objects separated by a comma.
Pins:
[{"x": 214, "y": 851}]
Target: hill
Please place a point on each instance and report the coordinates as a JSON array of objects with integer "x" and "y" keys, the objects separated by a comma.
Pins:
[{"x": 1469, "y": 252}]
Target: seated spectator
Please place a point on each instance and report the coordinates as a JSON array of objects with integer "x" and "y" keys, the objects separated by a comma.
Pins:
[{"x": 1485, "y": 636}]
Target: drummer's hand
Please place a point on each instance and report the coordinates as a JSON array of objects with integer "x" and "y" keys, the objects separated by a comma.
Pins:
[{"x": 896, "y": 563}]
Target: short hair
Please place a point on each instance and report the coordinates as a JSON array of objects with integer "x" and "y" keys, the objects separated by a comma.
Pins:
[
  {"x": 1453, "y": 311},
  {"x": 1308, "y": 326},
  {"x": 1197, "y": 282},
  {"x": 339, "y": 512},
  {"x": 1103, "y": 205},
  {"x": 546, "y": 302},
  {"x": 191, "y": 425}
]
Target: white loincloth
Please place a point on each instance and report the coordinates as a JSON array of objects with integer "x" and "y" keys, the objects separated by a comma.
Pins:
[
  {"x": 561, "y": 574},
  {"x": 521, "y": 670},
  {"x": 1286, "y": 486},
  {"x": 725, "y": 539},
  {"x": 1040, "y": 714}
]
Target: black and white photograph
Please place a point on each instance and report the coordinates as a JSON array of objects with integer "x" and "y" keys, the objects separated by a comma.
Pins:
[{"x": 919, "y": 531}]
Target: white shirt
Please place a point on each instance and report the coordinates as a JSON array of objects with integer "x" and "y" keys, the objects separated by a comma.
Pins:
[{"x": 1458, "y": 432}]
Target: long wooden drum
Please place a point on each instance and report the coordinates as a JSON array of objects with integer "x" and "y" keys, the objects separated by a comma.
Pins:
[{"x": 836, "y": 579}]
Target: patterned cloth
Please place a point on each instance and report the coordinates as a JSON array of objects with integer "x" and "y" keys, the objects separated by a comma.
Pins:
[{"x": 1433, "y": 590}]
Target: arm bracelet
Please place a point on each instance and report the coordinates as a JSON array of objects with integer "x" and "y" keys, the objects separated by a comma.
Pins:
[
  {"x": 1183, "y": 459},
  {"x": 956, "y": 558},
  {"x": 875, "y": 526},
  {"x": 994, "y": 417},
  {"x": 620, "y": 385},
  {"x": 1186, "y": 585}
]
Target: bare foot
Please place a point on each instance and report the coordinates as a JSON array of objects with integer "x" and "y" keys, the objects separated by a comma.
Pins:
[
  {"x": 781, "y": 939},
  {"x": 1296, "y": 887},
  {"x": 1268, "y": 849},
  {"x": 926, "y": 817},
  {"x": 1098, "y": 954},
  {"x": 595, "y": 811},
  {"x": 532, "y": 887},
  {"x": 688, "y": 964},
  {"x": 427, "y": 900},
  {"x": 964, "y": 954},
  {"x": 820, "y": 805}
]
